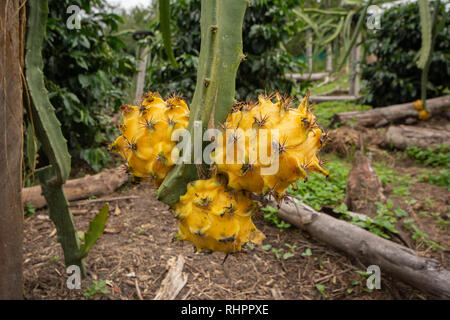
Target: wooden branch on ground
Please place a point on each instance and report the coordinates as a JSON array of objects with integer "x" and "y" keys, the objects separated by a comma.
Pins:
[
  {"x": 324, "y": 98},
  {"x": 85, "y": 202},
  {"x": 426, "y": 274},
  {"x": 307, "y": 76},
  {"x": 404, "y": 136},
  {"x": 382, "y": 116},
  {"x": 175, "y": 280},
  {"x": 99, "y": 184}
]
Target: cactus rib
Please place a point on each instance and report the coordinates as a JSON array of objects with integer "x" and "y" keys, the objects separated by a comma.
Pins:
[{"x": 220, "y": 56}]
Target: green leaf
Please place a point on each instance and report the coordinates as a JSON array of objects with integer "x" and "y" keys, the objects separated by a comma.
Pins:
[
  {"x": 288, "y": 255},
  {"x": 266, "y": 247},
  {"x": 96, "y": 228},
  {"x": 320, "y": 288},
  {"x": 307, "y": 253},
  {"x": 400, "y": 212}
]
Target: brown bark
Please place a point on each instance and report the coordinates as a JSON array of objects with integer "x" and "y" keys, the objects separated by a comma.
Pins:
[
  {"x": 82, "y": 188},
  {"x": 307, "y": 76},
  {"x": 326, "y": 98},
  {"x": 363, "y": 187},
  {"x": 404, "y": 136},
  {"x": 396, "y": 113},
  {"x": 174, "y": 281},
  {"x": 425, "y": 274},
  {"x": 11, "y": 112}
]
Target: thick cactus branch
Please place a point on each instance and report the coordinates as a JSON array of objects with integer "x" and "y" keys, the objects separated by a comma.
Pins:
[
  {"x": 220, "y": 56},
  {"x": 50, "y": 135},
  {"x": 61, "y": 216},
  {"x": 48, "y": 127}
]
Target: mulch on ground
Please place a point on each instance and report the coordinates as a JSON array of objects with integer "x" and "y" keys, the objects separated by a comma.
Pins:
[{"x": 137, "y": 244}]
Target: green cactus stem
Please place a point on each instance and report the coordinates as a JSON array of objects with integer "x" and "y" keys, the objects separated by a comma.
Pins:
[
  {"x": 220, "y": 56},
  {"x": 48, "y": 131}
]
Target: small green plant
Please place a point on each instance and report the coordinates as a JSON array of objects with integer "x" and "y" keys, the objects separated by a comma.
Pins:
[
  {"x": 420, "y": 236},
  {"x": 442, "y": 178},
  {"x": 321, "y": 288},
  {"x": 383, "y": 221},
  {"x": 400, "y": 183},
  {"x": 307, "y": 253},
  {"x": 438, "y": 156},
  {"x": 270, "y": 214},
  {"x": 363, "y": 275},
  {"x": 318, "y": 191},
  {"x": 29, "y": 209},
  {"x": 95, "y": 289},
  {"x": 278, "y": 252},
  {"x": 444, "y": 224},
  {"x": 291, "y": 254}
]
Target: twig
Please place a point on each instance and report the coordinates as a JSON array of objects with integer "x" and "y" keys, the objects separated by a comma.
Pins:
[
  {"x": 84, "y": 202},
  {"x": 138, "y": 290}
]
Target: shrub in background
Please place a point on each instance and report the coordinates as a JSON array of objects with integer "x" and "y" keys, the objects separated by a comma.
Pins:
[
  {"x": 86, "y": 72},
  {"x": 394, "y": 77},
  {"x": 266, "y": 24}
]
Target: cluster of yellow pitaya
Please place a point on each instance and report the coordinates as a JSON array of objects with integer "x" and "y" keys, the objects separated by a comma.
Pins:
[
  {"x": 215, "y": 219},
  {"x": 423, "y": 114},
  {"x": 215, "y": 214},
  {"x": 251, "y": 133},
  {"x": 145, "y": 142}
]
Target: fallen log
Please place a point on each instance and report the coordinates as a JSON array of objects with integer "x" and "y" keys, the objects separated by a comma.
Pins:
[
  {"x": 425, "y": 274},
  {"x": 401, "y": 137},
  {"x": 307, "y": 76},
  {"x": 99, "y": 184},
  {"x": 325, "y": 98},
  {"x": 396, "y": 113}
]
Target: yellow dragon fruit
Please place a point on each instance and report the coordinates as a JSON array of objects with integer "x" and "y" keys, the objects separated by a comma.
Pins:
[
  {"x": 215, "y": 219},
  {"x": 295, "y": 147},
  {"x": 145, "y": 142}
]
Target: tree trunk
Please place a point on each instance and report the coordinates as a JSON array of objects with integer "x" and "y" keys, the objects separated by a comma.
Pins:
[
  {"x": 329, "y": 67},
  {"x": 142, "y": 67},
  {"x": 354, "y": 74},
  {"x": 425, "y": 274},
  {"x": 12, "y": 22},
  {"x": 363, "y": 187},
  {"x": 396, "y": 113},
  {"x": 309, "y": 50},
  {"x": 404, "y": 136},
  {"x": 82, "y": 188}
]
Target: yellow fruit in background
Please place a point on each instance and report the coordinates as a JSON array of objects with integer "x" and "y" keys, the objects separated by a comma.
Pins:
[
  {"x": 418, "y": 105},
  {"x": 424, "y": 115},
  {"x": 215, "y": 219},
  {"x": 295, "y": 147},
  {"x": 145, "y": 142}
]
